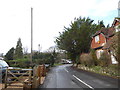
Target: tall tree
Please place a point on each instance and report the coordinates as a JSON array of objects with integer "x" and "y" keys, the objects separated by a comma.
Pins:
[
  {"x": 10, "y": 54},
  {"x": 18, "y": 50},
  {"x": 101, "y": 24},
  {"x": 76, "y": 39}
]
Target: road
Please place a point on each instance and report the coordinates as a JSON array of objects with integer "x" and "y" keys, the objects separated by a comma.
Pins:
[{"x": 66, "y": 76}]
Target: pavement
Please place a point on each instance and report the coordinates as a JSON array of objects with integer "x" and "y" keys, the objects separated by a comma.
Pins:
[{"x": 65, "y": 76}]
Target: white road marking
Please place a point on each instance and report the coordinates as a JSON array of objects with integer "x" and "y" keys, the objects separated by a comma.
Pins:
[
  {"x": 66, "y": 70},
  {"x": 83, "y": 82}
]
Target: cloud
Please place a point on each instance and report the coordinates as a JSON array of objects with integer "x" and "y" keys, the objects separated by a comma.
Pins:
[{"x": 50, "y": 16}]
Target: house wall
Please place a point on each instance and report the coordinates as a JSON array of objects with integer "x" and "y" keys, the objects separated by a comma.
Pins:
[
  {"x": 102, "y": 41},
  {"x": 113, "y": 60},
  {"x": 99, "y": 53}
]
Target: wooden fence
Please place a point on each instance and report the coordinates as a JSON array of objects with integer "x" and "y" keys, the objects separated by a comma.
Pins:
[{"x": 27, "y": 78}]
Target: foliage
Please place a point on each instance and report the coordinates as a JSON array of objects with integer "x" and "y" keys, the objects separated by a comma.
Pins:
[
  {"x": 10, "y": 54},
  {"x": 91, "y": 59},
  {"x": 118, "y": 54},
  {"x": 114, "y": 46},
  {"x": 44, "y": 58},
  {"x": 18, "y": 50},
  {"x": 76, "y": 39},
  {"x": 105, "y": 59},
  {"x": 86, "y": 60},
  {"x": 23, "y": 63},
  {"x": 94, "y": 57},
  {"x": 111, "y": 70},
  {"x": 97, "y": 68}
]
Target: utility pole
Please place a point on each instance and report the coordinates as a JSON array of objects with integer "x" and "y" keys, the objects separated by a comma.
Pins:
[
  {"x": 39, "y": 48},
  {"x": 31, "y": 35}
]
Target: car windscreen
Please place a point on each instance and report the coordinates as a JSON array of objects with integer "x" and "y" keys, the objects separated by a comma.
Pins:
[{"x": 3, "y": 63}]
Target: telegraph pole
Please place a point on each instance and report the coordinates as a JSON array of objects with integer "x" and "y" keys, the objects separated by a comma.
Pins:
[
  {"x": 39, "y": 48},
  {"x": 31, "y": 35}
]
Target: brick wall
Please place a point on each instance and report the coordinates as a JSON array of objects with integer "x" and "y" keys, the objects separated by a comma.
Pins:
[{"x": 102, "y": 40}]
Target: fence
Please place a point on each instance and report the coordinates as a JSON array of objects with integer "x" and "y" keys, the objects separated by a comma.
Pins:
[
  {"x": 39, "y": 72},
  {"x": 27, "y": 78}
]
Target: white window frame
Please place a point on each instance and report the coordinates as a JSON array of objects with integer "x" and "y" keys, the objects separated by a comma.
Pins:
[{"x": 97, "y": 39}]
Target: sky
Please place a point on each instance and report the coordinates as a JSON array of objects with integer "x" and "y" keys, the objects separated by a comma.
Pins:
[{"x": 49, "y": 18}]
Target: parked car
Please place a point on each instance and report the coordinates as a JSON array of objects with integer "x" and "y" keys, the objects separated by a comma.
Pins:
[{"x": 3, "y": 67}]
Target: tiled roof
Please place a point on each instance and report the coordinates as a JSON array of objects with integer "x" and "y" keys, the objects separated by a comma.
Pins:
[
  {"x": 113, "y": 39},
  {"x": 106, "y": 31}
]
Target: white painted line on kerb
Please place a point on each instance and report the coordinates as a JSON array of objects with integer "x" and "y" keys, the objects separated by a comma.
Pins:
[
  {"x": 83, "y": 82},
  {"x": 66, "y": 70}
]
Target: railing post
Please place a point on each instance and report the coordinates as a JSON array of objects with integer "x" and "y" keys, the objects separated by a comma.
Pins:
[
  {"x": 6, "y": 76},
  {"x": 30, "y": 78}
]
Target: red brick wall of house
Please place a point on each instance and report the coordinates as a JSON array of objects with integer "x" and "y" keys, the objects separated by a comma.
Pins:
[{"x": 102, "y": 40}]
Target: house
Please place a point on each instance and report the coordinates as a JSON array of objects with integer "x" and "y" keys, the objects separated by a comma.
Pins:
[
  {"x": 101, "y": 41},
  {"x": 100, "y": 38},
  {"x": 112, "y": 47},
  {"x": 116, "y": 24}
]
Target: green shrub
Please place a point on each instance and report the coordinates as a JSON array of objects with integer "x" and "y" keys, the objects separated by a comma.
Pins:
[
  {"x": 86, "y": 60},
  {"x": 94, "y": 57},
  {"x": 97, "y": 68},
  {"x": 23, "y": 63},
  {"x": 105, "y": 59}
]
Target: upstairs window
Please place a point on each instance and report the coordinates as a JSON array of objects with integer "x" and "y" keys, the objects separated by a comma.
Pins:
[{"x": 97, "y": 39}]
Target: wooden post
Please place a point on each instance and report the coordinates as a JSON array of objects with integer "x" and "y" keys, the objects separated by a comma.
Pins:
[
  {"x": 44, "y": 70},
  {"x": 30, "y": 78},
  {"x": 6, "y": 76}
]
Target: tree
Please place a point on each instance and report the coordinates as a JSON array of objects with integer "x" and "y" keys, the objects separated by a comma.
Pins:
[
  {"x": 114, "y": 46},
  {"x": 76, "y": 39},
  {"x": 10, "y": 54},
  {"x": 18, "y": 50},
  {"x": 53, "y": 57},
  {"x": 101, "y": 25}
]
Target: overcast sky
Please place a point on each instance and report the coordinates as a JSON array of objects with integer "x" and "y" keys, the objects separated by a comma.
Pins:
[{"x": 49, "y": 18}]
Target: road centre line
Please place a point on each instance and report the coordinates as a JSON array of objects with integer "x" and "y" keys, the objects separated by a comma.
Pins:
[
  {"x": 83, "y": 82},
  {"x": 66, "y": 70}
]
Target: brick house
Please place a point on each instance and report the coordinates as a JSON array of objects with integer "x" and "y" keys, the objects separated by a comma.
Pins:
[
  {"x": 116, "y": 24},
  {"x": 102, "y": 37}
]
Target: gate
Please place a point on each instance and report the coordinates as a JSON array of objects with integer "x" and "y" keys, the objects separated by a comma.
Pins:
[
  {"x": 25, "y": 78},
  {"x": 21, "y": 76}
]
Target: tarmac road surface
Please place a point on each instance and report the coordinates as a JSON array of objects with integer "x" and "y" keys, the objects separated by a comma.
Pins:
[{"x": 65, "y": 76}]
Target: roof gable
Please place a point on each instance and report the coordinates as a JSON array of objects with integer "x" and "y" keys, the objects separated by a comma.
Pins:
[
  {"x": 106, "y": 31},
  {"x": 116, "y": 20}
]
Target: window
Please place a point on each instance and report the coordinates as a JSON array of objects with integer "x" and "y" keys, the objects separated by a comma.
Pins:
[
  {"x": 117, "y": 28},
  {"x": 97, "y": 38},
  {"x": 99, "y": 53}
]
